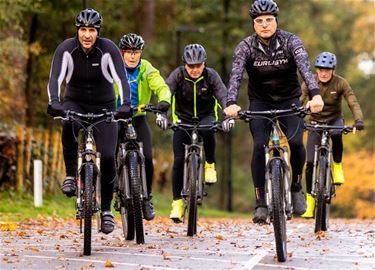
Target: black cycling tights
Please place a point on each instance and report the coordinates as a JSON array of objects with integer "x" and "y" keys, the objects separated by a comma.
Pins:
[
  {"x": 292, "y": 127},
  {"x": 105, "y": 135}
]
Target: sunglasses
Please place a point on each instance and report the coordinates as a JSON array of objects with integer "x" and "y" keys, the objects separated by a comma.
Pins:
[{"x": 267, "y": 21}]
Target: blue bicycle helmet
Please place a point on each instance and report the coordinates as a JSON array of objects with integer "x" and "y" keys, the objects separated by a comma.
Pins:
[{"x": 325, "y": 60}]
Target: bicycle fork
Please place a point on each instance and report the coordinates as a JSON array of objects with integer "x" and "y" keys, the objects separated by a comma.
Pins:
[{"x": 287, "y": 204}]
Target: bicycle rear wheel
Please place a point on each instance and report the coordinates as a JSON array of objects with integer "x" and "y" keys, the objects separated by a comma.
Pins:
[
  {"x": 321, "y": 209},
  {"x": 192, "y": 177},
  {"x": 126, "y": 208},
  {"x": 136, "y": 191},
  {"x": 278, "y": 210},
  {"x": 87, "y": 207}
]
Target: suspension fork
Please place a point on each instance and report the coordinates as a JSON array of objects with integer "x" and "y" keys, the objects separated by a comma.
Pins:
[
  {"x": 143, "y": 171},
  {"x": 286, "y": 179}
]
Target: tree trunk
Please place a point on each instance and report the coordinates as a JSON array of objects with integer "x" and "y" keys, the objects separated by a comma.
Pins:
[
  {"x": 148, "y": 20},
  {"x": 29, "y": 94}
]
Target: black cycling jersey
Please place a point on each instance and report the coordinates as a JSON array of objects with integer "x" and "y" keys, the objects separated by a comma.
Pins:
[
  {"x": 196, "y": 98},
  {"x": 271, "y": 69},
  {"x": 89, "y": 77}
]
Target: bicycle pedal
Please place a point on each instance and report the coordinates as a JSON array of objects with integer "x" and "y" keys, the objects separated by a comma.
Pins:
[{"x": 205, "y": 194}]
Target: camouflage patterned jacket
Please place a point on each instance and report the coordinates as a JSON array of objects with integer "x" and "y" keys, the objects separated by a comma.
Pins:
[{"x": 272, "y": 70}]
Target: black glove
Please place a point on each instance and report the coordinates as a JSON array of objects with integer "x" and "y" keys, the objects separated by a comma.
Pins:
[
  {"x": 162, "y": 121},
  {"x": 359, "y": 125},
  {"x": 55, "y": 109},
  {"x": 124, "y": 112},
  {"x": 163, "y": 106}
]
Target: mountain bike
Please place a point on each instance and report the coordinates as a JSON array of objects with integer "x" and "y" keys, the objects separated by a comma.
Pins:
[
  {"x": 131, "y": 180},
  {"x": 278, "y": 195},
  {"x": 193, "y": 185},
  {"x": 323, "y": 189},
  {"x": 88, "y": 176}
]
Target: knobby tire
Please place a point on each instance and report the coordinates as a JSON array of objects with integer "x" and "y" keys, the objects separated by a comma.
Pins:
[
  {"x": 136, "y": 190},
  {"x": 192, "y": 194},
  {"x": 278, "y": 210},
  {"x": 321, "y": 212},
  {"x": 87, "y": 207},
  {"x": 126, "y": 208}
]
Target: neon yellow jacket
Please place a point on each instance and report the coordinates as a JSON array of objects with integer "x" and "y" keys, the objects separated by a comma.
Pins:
[{"x": 149, "y": 81}]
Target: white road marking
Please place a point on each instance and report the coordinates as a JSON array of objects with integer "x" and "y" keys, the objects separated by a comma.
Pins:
[{"x": 255, "y": 259}]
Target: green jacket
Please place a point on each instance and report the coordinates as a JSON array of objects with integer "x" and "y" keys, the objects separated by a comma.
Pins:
[
  {"x": 332, "y": 94},
  {"x": 149, "y": 80}
]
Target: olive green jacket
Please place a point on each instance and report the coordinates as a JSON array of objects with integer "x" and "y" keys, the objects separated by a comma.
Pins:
[
  {"x": 150, "y": 81},
  {"x": 332, "y": 94}
]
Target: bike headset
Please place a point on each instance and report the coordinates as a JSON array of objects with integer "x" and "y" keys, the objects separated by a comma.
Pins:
[
  {"x": 194, "y": 54},
  {"x": 263, "y": 7},
  {"x": 326, "y": 60},
  {"x": 131, "y": 41},
  {"x": 89, "y": 18}
]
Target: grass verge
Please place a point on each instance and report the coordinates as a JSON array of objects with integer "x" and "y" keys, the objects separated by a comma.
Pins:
[{"x": 17, "y": 207}]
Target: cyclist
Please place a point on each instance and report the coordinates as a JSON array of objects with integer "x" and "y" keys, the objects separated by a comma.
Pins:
[
  {"x": 332, "y": 88},
  {"x": 89, "y": 64},
  {"x": 144, "y": 79},
  {"x": 196, "y": 90},
  {"x": 271, "y": 57}
]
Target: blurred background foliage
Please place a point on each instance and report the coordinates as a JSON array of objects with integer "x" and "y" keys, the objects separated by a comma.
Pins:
[{"x": 30, "y": 31}]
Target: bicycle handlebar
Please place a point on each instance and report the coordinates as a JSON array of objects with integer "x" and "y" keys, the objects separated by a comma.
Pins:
[
  {"x": 196, "y": 126},
  {"x": 324, "y": 127},
  {"x": 70, "y": 115},
  {"x": 294, "y": 110}
]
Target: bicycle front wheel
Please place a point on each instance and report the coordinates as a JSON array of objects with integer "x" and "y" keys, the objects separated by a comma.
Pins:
[
  {"x": 87, "y": 207},
  {"x": 136, "y": 187},
  {"x": 321, "y": 209},
  {"x": 192, "y": 177},
  {"x": 278, "y": 210}
]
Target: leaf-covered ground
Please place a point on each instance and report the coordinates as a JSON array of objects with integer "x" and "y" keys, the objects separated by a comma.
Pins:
[{"x": 53, "y": 243}]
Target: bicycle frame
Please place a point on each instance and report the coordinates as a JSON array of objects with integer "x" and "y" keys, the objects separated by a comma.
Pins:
[
  {"x": 131, "y": 179},
  {"x": 88, "y": 155},
  {"x": 323, "y": 188},
  {"x": 324, "y": 149},
  {"x": 272, "y": 152},
  {"x": 194, "y": 147},
  {"x": 192, "y": 191},
  {"x": 88, "y": 170},
  {"x": 130, "y": 143},
  {"x": 278, "y": 194}
]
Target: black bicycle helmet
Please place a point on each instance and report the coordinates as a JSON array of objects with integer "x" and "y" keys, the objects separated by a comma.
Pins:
[
  {"x": 194, "y": 54},
  {"x": 131, "y": 41},
  {"x": 263, "y": 7},
  {"x": 89, "y": 18},
  {"x": 325, "y": 60}
]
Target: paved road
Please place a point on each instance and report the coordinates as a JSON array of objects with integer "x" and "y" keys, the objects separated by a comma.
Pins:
[{"x": 220, "y": 244}]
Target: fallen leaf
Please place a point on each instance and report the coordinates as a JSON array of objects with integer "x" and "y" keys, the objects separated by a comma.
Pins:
[
  {"x": 108, "y": 264},
  {"x": 219, "y": 237}
]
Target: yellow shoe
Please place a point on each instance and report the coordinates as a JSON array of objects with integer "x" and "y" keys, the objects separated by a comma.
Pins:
[
  {"x": 310, "y": 203},
  {"x": 210, "y": 176},
  {"x": 338, "y": 174},
  {"x": 178, "y": 210}
]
